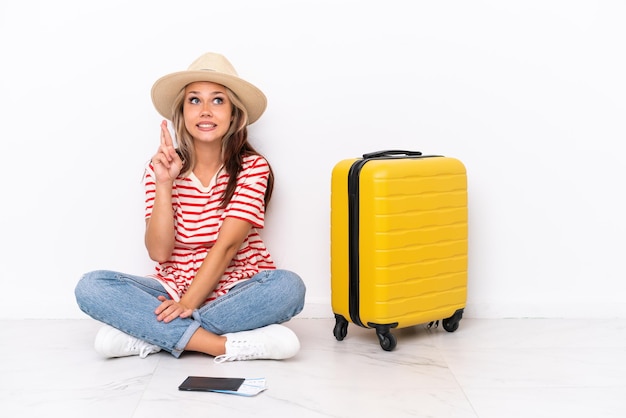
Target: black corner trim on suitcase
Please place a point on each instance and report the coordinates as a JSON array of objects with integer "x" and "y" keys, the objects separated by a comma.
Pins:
[
  {"x": 353, "y": 223},
  {"x": 353, "y": 233}
]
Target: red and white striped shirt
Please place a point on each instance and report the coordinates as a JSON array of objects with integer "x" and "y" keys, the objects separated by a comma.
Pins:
[{"x": 198, "y": 218}]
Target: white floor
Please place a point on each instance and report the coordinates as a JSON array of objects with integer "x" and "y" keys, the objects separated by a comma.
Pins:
[{"x": 487, "y": 368}]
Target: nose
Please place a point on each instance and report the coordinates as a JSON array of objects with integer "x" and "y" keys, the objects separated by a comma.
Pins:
[{"x": 206, "y": 111}]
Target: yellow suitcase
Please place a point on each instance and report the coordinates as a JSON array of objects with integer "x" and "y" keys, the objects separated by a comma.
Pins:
[{"x": 398, "y": 242}]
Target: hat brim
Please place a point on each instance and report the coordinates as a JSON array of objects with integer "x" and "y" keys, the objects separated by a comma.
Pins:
[{"x": 165, "y": 90}]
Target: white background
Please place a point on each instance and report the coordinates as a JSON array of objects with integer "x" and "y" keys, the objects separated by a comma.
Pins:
[{"x": 530, "y": 95}]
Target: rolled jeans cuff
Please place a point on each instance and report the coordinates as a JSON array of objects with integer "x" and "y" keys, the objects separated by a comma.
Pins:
[{"x": 184, "y": 340}]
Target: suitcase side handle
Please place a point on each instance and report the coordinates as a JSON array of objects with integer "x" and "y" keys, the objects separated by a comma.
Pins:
[{"x": 390, "y": 152}]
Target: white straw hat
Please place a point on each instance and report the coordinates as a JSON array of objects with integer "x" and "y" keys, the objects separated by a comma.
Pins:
[{"x": 211, "y": 67}]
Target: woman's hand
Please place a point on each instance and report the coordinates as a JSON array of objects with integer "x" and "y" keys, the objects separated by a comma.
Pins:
[
  {"x": 166, "y": 162},
  {"x": 169, "y": 310}
]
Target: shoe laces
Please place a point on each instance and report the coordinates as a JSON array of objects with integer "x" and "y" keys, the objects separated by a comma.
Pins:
[
  {"x": 140, "y": 346},
  {"x": 225, "y": 357},
  {"x": 241, "y": 350}
]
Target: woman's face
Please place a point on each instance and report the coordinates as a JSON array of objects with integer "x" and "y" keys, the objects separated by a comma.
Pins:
[{"x": 207, "y": 111}]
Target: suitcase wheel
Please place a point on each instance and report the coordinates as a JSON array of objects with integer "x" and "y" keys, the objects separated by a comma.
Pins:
[
  {"x": 383, "y": 331},
  {"x": 386, "y": 339},
  {"x": 341, "y": 327},
  {"x": 452, "y": 324}
]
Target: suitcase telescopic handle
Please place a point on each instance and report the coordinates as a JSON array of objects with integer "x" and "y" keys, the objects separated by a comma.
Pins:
[{"x": 390, "y": 152}]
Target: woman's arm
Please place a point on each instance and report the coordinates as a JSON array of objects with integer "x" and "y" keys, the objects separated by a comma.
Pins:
[{"x": 159, "y": 236}]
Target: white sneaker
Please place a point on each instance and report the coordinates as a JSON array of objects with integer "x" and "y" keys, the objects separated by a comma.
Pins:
[
  {"x": 111, "y": 342},
  {"x": 273, "y": 342}
]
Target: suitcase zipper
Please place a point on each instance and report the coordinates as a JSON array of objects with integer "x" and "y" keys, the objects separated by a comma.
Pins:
[{"x": 353, "y": 248}]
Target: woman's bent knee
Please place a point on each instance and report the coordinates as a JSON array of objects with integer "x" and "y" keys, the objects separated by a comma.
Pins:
[
  {"x": 296, "y": 289},
  {"x": 87, "y": 288}
]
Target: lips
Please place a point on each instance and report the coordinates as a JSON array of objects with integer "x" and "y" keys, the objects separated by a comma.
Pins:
[{"x": 206, "y": 125}]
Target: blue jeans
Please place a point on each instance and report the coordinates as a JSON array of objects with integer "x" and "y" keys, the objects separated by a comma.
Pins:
[{"x": 128, "y": 302}]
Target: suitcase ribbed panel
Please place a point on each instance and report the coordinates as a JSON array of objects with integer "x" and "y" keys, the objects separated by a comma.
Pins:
[{"x": 413, "y": 240}]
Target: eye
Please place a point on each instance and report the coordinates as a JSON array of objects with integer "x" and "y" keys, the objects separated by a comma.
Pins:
[
  {"x": 218, "y": 100},
  {"x": 194, "y": 100}
]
